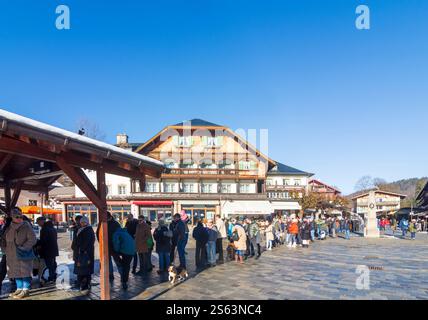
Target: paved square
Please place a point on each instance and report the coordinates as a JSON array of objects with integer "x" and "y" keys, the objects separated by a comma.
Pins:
[{"x": 327, "y": 270}]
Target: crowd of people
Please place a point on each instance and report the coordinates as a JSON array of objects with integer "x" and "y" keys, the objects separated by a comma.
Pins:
[{"x": 131, "y": 247}]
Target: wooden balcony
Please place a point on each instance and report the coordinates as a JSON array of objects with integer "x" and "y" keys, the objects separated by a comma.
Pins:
[
  {"x": 198, "y": 173},
  {"x": 284, "y": 187}
]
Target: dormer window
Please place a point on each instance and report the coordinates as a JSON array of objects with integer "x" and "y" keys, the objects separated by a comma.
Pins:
[{"x": 183, "y": 141}]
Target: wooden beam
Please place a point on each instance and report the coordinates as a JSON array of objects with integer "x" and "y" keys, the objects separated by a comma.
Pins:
[
  {"x": 81, "y": 180},
  {"x": 20, "y": 148},
  {"x": 7, "y": 198},
  {"x": 103, "y": 235},
  {"x": 6, "y": 159},
  {"x": 26, "y": 177},
  {"x": 16, "y": 193}
]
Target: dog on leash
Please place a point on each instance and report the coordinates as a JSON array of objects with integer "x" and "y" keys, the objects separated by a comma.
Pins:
[{"x": 174, "y": 275}]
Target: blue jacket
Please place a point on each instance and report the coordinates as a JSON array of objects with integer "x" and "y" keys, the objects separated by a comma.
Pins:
[{"x": 123, "y": 242}]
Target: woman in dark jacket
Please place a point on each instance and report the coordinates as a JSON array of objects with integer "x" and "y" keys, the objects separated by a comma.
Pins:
[
  {"x": 162, "y": 237},
  {"x": 47, "y": 246},
  {"x": 306, "y": 233},
  {"x": 84, "y": 267}
]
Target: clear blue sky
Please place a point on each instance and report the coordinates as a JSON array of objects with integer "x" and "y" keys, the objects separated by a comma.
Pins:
[{"x": 337, "y": 101}]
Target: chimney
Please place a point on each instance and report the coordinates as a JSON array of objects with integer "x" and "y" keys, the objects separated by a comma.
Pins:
[{"x": 121, "y": 139}]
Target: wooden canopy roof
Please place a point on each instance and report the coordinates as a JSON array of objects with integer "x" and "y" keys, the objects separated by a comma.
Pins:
[{"x": 30, "y": 152}]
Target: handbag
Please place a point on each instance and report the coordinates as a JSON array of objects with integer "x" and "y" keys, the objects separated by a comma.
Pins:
[
  {"x": 150, "y": 243},
  {"x": 25, "y": 255},
  {"x": 22, "y": 254},
  {"x": 235, "y": 236}
]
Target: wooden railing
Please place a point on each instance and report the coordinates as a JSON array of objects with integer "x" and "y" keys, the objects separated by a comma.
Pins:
[{"x": 208, "y": 172}]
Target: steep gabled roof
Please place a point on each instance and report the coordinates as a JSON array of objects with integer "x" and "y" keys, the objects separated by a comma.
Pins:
[
  {"x": 282, "y": 169},
  {"x": 377, "y": 190},
  {"x": 324, "y": 184},
  {"x": 197, "y": 123}
]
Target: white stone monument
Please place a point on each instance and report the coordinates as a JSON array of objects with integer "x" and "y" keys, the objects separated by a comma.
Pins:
[{"x": 371, "y": 228}]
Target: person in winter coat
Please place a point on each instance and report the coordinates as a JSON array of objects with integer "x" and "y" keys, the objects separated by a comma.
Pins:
[
  {"x": 306, "y": 233},
  {"x": 85, "y": 258},
  {"x": 210, "y": 246},
  {"x": 404, "y": 226},
  {"x": 269, "y": 235},
  {"x": 172, "y": 226},
  {"x": 222, "y": 234},
  {"x": 254, "y": 233},
  {"x": 112, "y": 226},
  {"x": 47, "y": 246},
  {"x": 143, "y": 236},
  {"x": 20, "y": 239},
  {"x": 3, "y": 268},
  {"x": 179, "y": 237},
  {"x": 240, "y": 243},
  {"x": 124, "y": 247},
  {"x": 162, "y": 236},
  {"x": 293, "y": 230},
  {"x": 200, "y": 234},
  {"x": 412, "y": 229},
  {"x": 131, "y": 226}
]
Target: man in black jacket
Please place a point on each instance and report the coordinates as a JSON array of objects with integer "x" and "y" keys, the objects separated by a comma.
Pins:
[
  {"x": 200, "y": 234},
  {"x": 47, "y": 246}
]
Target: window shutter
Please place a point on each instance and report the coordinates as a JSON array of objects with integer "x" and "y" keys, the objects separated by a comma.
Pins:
[
  {"x": 219, "y": 140},
  {"x": 204, "y": 140}
]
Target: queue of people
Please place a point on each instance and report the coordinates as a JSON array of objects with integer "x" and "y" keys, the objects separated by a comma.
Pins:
[{"x": 217, "y": 240}]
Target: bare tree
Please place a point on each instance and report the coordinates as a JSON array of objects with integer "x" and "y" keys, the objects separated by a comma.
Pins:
[
  {"x": 364, "y": 183},
  {"x": 90, "y": 129}
]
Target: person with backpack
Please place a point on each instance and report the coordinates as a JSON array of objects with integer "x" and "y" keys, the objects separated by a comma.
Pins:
[
  {"x": 124, "y": 247},
  {"x": 143, "y": 238},
  {"x": 131, "y": 226},
  {"x": 200, "y": 234},
  {"x": 162, "y": 236},
  {"x": 240, "y": 241},
  {"x": 404, "y": 226},
  {"x": 84, "y": 254}
]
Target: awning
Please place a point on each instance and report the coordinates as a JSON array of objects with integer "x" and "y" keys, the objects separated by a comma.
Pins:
[
  {"x": 37, "y": 210},
  {"x": 246, "y": 208},
  {"x": 285, "y": 205},
  {"x": 153, "y": 203}
]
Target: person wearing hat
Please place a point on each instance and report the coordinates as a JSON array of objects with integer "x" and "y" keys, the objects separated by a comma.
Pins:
[
  {"x": 85, "y": 247},
  {"x": 47, "y": 246},
  {"x": 20, "y": 239}
]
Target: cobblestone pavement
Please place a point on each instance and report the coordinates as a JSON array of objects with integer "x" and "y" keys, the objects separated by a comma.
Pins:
[{"x": 326, "y": 270}]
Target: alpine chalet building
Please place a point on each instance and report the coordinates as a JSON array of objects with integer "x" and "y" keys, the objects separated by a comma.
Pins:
[{"x": 210, "y": 170}]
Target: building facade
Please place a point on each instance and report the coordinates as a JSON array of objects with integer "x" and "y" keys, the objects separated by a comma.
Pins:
[
  {"x": 210, "y": 170},
  {"x": 386, "y": 202}
]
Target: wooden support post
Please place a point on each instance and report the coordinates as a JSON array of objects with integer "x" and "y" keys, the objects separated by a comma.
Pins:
[
  {"x": 103, "y": 236},
  {"x": 16, "y": 194},
  {"x": 7, "y": 198}
]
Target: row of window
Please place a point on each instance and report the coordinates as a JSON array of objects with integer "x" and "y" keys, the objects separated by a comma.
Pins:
[
  {"x": 188, "y": 141},
  {"x": 208, "y": 164},
  {"x": 193, "y": 188},
  {"x": 281, "y": 195},
  {"x": 286, "y": 182}
]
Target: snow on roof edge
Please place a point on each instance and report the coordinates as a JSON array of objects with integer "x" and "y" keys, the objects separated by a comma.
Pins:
[{"x": 77, "y": 137}]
